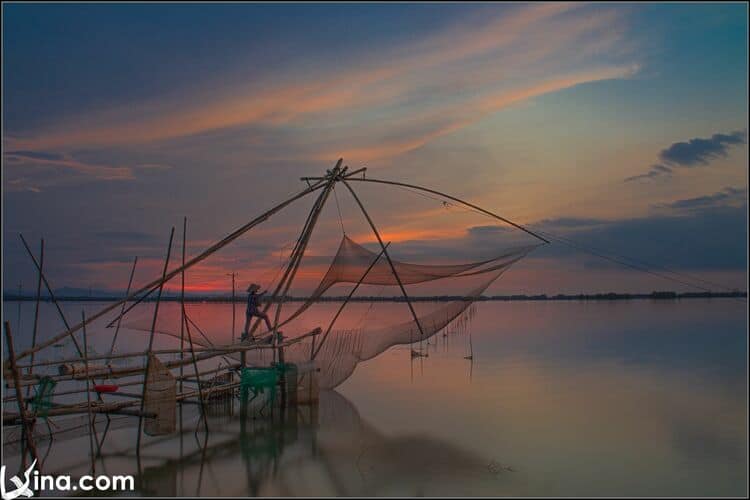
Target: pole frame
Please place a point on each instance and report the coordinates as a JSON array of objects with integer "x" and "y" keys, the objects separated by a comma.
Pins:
[
  {"x": 28, "y": 428},
  {"x": 154, "y": 285},
  {"x": 301, "y": 244},
  {"x": 387, "y": 256},
  {"x": 57, "y": 305},
  {"x": 119, "y": 319}
]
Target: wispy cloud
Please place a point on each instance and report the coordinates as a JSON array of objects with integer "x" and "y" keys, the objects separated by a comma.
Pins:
[
  {"x": 727, "y": 197},
  {"x": 25, "y": 159},
  {"x": 402, "y": 97},
  {"x": 34, "y": 170}
]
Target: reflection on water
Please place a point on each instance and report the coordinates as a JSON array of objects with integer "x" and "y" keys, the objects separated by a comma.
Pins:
[
  {"x": 620, "y": 398},
  {"x": 324, "y": 450}
]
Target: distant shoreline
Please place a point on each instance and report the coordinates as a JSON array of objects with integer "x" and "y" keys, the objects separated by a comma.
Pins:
[{"x": 484, "y": 298}]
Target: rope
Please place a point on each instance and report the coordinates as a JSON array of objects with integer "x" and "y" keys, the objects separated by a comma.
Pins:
[{"x": 612, "y": 257}]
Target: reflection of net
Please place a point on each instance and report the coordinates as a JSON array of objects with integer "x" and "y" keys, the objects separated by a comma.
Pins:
[{"x": 386, "y": 325}]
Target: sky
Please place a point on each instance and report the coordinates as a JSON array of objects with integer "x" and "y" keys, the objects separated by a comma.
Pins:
[{"x": 620, "y": 127}]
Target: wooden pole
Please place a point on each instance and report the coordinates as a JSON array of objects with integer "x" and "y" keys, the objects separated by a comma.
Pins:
[
  {"x": 88, "y": 396},
  {"x": 388, "y": 257},
  {"x": 301, "y": 244},
  {"x": 305, "y": 239},
  {"x": 26, "y": 421},
  {"x": 57, "y": 305},
  {"x": 206, "y": 353},
  {"x": 197, "y": 376},
  {"x": 151, "y": 339},
  {"x": 234, "y": 316},
  {"x": 119, "y": 319},
  {"x": 182, "y": 301},
  {"x": 156, "y": 284},
  {"x": 36, "y": 308}
]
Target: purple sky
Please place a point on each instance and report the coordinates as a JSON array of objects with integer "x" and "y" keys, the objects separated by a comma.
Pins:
[{"x": 622, "y": 127}]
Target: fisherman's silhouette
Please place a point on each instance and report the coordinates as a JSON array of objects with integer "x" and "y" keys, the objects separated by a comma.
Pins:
[{"x": 253, "y": 311}]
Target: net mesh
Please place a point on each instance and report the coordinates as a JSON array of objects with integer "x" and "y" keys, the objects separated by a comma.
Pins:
[{"x": 356, "y": 336}]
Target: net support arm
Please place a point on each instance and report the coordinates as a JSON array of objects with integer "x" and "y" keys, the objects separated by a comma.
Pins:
[
  {"x": 457, "y": 200},
  {"x": 387, "y": 256}
]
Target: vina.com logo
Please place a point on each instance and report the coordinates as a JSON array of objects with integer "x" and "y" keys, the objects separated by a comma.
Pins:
[{"x": 33, "y": 481}]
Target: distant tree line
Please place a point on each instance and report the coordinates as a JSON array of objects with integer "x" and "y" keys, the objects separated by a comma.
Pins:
[{"x": 656, "y": 295}]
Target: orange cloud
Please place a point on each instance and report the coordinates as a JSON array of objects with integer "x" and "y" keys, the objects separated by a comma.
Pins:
[{"x": 476, "y": 57}]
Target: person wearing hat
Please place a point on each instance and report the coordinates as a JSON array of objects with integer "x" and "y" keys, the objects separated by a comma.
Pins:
[{"x": 253, "y": 310}]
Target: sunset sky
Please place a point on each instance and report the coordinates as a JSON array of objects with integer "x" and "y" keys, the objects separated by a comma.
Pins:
[{"x": 620, "y": 126}]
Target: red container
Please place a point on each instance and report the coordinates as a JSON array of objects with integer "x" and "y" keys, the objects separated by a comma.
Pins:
[{"x": 106, "y": 388}]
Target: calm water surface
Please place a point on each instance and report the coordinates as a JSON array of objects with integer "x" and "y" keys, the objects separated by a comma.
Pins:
[{"x": 561, "y": 398}]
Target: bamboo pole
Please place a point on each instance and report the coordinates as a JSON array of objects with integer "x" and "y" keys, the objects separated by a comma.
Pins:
[
  {"x": 57, "y": 305},
  {"x": 182, "y": 301},
  {"x": 453, "y": 198},
  {"x": 206, "y": 353},
  {"x": 36, "y": 307},
  {"x": 186, "y": 378},
  {"x": 101, "y": 407},
  {"x": 341, "y": 308},
  {"x": 152, "y": 286},
  {"x": 299, "y": 246},
  {"x": 197, "y": 376},
  {"x": 388, "y": 257},
  {"x": 151, "y": 338},
  {"x": 305, "y": 239},
  {"x": 88, "y": 396},
  {"x": 234, "y": 315},
  {"x": 182, "y": 319},
  {"x": 26, "y": 421},
  {"x": 119, "y": 319}
]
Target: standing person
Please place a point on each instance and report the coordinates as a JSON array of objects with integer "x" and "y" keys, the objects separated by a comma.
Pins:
[{"x": 253, "y": 310}]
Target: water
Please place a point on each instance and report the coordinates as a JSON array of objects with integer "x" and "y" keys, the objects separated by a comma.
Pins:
[{"x": 561, "y": 398}]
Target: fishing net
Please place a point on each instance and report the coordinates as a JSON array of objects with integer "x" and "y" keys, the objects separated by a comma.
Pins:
[
  {"x": 361, "y": 335},
  {"x": 357, "y": 335}
]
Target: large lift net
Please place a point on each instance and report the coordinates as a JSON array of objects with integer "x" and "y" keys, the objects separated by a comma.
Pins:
[{"x": 364, "y": 329}]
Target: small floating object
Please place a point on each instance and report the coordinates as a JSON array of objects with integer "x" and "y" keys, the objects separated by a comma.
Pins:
[
  {"x": 418, "y": 354},
  {"x": 106, "y": 387}
]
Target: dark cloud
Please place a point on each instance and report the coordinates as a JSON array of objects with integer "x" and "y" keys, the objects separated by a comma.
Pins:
[
  {"x": 726, "y": 197},
  {"x": 486, "y": 230},
  {"x": 695, "y": 152},
  {"x": 656, "y": 171},
  {"x": 699, "y": 442},
  {"x": 570, "y": 222},
  {"x": 711, "y": 236},
  {"x": 700, "y": 151}
]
